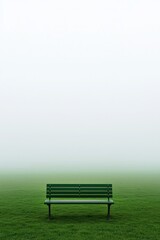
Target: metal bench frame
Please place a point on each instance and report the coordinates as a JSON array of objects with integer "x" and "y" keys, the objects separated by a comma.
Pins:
[{"x": 97, "y": 194}]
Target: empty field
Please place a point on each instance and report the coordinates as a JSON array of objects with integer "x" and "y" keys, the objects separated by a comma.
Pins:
[{"x": 135, "y": 214}]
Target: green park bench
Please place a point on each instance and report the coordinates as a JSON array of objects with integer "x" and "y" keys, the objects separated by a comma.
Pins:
[{"x": 79, "y": 194}]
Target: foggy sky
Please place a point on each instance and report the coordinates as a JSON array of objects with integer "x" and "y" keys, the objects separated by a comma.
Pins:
[{"x": 79, "y": 84}]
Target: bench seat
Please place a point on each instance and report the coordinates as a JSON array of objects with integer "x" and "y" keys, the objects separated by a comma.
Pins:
[{"x": 110, "y": 201}]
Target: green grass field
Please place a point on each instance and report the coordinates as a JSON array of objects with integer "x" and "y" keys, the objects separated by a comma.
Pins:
[{"x": 135, "y": 214}]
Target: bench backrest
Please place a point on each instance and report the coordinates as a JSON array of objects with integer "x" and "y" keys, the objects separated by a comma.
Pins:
[{"x": 79, "y": 191}]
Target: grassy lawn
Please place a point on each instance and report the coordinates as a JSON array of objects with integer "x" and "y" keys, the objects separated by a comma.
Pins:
[{"x": 135, "y": 214}]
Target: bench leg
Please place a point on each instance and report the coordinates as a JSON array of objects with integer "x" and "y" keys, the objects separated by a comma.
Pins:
[
  {"x": 108, "y": 215},
  {"x": 49, "y": 211}
]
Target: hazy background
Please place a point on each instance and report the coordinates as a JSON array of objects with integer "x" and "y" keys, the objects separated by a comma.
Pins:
[{"x": 79, "y": 85}]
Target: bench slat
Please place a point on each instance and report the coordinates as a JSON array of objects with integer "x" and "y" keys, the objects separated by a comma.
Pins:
[
  {"x": 96, "y": 188},
  {"x": 62, "y": 192},
  {"x": 79, "y": 201},
  {"x": 91, "y": 193},
  {"x": 95, "y": 185},
  {"x": 78, "y": 196},
  {"x": 79, "y": 192},
  {"x": 63, "y": 188},
  {"x": 77, "y": 185},
  {"x": 62, "y": 185},
  {"x": 77, "y": 188}
]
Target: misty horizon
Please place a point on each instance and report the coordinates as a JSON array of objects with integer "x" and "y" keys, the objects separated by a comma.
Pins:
[{"x": 79, "y": 85}]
